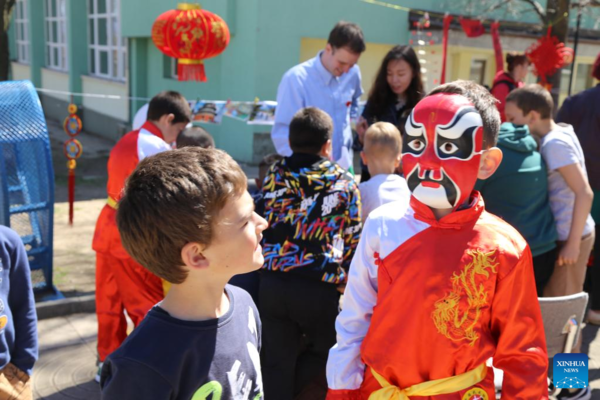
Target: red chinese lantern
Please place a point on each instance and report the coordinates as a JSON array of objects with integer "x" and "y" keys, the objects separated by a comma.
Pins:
[{"x": 190, "y": 34}]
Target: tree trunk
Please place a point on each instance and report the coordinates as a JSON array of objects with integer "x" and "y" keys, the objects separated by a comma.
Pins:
[
  {"x": 6, "y": 7},
  {"x": 555, "y": 10}
]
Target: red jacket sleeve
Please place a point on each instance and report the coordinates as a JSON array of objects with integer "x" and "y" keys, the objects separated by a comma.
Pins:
[{"x": 519, "y": 331}]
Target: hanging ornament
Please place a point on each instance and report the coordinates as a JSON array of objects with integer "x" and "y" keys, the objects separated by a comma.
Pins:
[
  {"x": 548, "y": 55},
  {"x": 190, "y": 34},
  {"x": 472, "y": 27},
  {"x": 73, "y": 150}
]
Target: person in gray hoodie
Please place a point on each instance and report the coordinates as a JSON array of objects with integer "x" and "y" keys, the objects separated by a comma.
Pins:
[{"x": 518, "y": 193}]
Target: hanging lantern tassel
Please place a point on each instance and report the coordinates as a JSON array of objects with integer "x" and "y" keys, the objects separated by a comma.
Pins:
[
  {"x": 73, "y": 150},
  {"x": 190, "y": 70},
  {"x": 71, "y": 164}
]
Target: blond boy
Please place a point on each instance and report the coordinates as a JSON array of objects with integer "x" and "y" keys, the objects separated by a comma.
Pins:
[
  {"x": 381, "y": 152},
  {"x": 569, "y": 192}
]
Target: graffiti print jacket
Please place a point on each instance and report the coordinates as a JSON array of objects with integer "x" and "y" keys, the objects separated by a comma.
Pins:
[{"x": 313, "y": 209}]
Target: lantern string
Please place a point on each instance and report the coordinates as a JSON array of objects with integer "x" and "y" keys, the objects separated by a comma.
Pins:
[
  {"x": 94, "y": 95},
  {"x": 441, "y": 15}
]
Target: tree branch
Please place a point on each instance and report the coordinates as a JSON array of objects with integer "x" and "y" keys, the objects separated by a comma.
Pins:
[
  {"x": 537, "y": 7},
  {"x": 496, "y": 6}
]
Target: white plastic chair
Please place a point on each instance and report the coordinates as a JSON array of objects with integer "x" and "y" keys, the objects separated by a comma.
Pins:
[{"x": 563, "y": 319}]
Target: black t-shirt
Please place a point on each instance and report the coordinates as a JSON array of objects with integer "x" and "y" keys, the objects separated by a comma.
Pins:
[{"x": 168, "y": 358}]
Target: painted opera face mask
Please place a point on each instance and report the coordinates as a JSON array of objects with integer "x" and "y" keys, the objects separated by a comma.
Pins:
[{"x": 441, "y": 150}]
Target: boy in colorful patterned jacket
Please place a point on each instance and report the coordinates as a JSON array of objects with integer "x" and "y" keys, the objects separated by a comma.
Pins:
[
  {"x": 436, "y": 290},
  {"x": 313, "y": 209}
]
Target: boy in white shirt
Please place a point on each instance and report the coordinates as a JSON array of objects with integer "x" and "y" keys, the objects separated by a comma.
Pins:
[
  {"x": 569, "y": 192},
  {"x": 381, "y": 152}
]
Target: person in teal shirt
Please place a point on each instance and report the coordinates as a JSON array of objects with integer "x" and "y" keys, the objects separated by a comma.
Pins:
[{"x": 518, "y": 193}]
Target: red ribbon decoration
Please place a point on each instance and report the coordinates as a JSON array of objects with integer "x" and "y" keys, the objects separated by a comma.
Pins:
[
  {"x": 72, "y": 149},
  {"x": 495, "y": 31},
  {"x": 472, "y": 27},
  {"x": 447, "y": 20}
]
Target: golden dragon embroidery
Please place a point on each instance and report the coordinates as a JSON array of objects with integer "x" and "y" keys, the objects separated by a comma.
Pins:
[{"x": 449, "y": 316}]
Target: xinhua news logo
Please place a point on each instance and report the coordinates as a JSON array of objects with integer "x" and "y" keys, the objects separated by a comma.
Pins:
[{"x": 571, "y": 370}]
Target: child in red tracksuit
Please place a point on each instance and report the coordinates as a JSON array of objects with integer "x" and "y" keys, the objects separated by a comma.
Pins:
[
  {"x": 438, "y": 287},
  {"x": 121, "y": 283}
]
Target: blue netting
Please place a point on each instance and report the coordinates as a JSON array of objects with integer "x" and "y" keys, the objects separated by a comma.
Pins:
[{"x": 26, "y": 176}]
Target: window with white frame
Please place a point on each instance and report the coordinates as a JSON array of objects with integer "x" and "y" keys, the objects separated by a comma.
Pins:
[
  {"x": 56, "y": 34},
  {"x": 22, "y": 27},
  {"x": 108, "y": 50}
]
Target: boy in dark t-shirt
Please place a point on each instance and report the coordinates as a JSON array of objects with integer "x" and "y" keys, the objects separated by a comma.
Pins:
[{"x": 180, "y": 217}]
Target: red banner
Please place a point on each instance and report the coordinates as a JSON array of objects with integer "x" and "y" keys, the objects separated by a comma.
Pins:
[
  {"x": 472, "y": 27},
  {"x": 497, "y": 46},
  {"x": 447, "y": 20}
]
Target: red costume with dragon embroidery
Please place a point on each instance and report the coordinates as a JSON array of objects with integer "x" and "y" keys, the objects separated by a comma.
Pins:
[{"x": 429, "y": 301}]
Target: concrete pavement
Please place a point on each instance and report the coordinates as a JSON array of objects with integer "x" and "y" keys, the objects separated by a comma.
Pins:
[{"x": 67, "y": 363}]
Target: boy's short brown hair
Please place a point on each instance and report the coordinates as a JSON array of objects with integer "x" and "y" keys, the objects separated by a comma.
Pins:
[
  {"x": 382, "y": 139},
  {"x": 484, "y": 103},
  {"x": 532, "y": 97},
  {"x": 310, "y": 129},
  {"x": 174, "y": 198},
  {"x": 169, "y": 102},
  {"x": 195, "y": 136}
]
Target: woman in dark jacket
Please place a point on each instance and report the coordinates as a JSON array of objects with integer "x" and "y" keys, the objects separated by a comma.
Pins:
[
  {"x": 398, "y": 87},
  {"x": 506, "y": 81}
]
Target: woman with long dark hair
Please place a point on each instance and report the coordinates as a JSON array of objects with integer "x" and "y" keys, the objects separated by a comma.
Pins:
[{"x": 398, "y": 87}]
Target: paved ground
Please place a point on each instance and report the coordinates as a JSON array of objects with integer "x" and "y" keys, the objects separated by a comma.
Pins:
[{"x": 66, "y": 367}]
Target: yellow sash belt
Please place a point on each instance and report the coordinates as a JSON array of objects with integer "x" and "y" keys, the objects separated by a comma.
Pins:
[
  {"x": 112, "y": 203},
  {"x": 432, "y": 388}
]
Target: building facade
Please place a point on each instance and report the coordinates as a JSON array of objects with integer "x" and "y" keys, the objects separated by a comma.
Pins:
[{"x": 102, "y": 49}]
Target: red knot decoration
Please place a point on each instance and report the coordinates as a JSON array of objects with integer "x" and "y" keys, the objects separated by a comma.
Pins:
[{"x": 548, "y": 55}]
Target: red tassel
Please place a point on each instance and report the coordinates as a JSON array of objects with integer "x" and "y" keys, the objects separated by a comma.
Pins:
[
  {"x": 71, "y": 194},
  {"x": 191, "y": 72}
]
